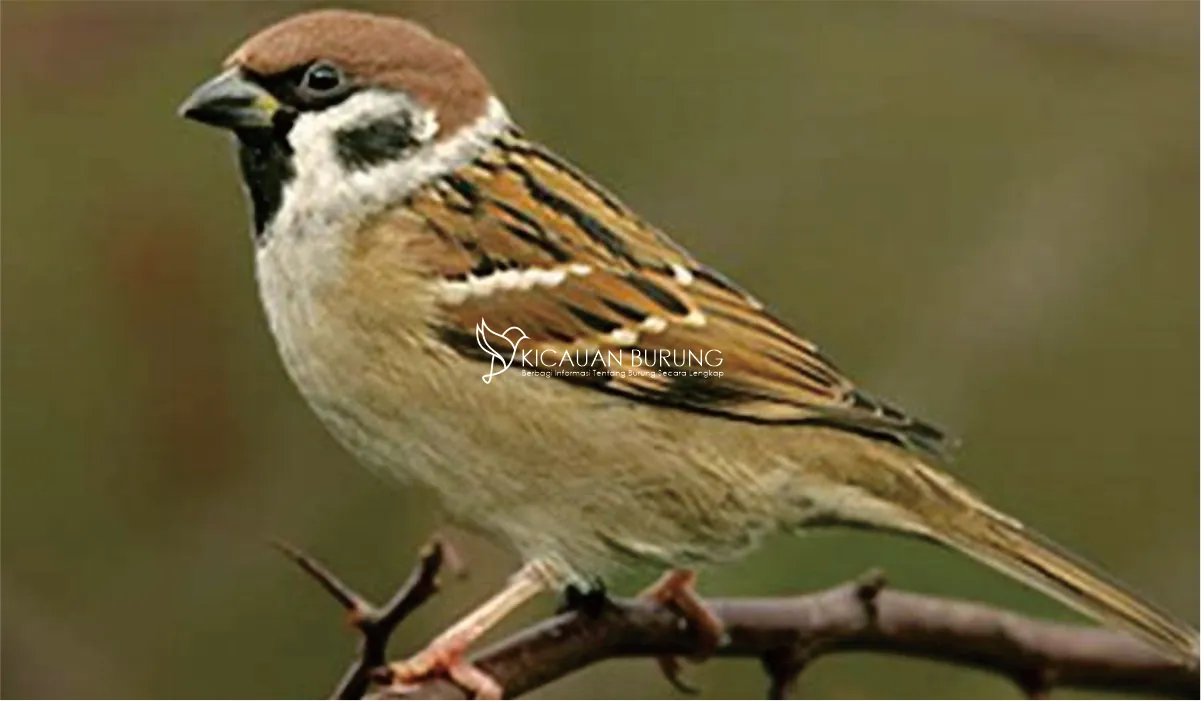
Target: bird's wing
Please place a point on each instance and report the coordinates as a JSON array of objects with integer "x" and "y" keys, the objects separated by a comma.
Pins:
[{"x": 521, "y": 238}]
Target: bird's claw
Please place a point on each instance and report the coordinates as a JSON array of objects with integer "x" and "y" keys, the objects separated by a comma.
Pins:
[
  {"x": 446, "y": 659},
  {"x": 675, "y": 590}
]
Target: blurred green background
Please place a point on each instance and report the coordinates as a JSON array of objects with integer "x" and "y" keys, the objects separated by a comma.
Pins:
[{"x": 987, "y": 212}]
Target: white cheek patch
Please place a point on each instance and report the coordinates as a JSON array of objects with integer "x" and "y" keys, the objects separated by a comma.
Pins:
[
  {"x": 320, "y": 175},
  {"x": 324, "y": 195},
  {"x": 425, "y": 126}
]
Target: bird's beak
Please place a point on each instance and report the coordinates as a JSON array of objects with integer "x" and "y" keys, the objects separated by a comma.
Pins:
[{"x": 230, "y": 101}]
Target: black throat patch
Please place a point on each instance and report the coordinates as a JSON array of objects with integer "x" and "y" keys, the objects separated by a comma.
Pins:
[{"x": 266, "y": 161}]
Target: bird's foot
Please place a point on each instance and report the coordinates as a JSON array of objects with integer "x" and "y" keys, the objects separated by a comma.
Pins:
[
  {"x": 675, "y": 590},
  {"x": 445, "y": 657}
]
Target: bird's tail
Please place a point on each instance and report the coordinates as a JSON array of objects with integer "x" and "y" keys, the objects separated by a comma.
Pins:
[
  {"x": 1027, "y": 556},
  {"x": 849, "y": 480},
  {"x": 902, "y": 493}
]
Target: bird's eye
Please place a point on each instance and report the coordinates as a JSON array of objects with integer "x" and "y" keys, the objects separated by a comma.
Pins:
[{"x": 321, "y": 79}]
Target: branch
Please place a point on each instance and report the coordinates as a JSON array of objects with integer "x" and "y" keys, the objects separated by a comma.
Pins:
[
  {"x": 786, "y": 634},
  {"x": 375, "y": 625}
]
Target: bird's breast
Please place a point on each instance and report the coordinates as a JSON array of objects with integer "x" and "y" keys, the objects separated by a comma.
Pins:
[{"x": 348, "y": 312}]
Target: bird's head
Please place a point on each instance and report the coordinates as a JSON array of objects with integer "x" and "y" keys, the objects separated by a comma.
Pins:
[{"x": 346, "y": 112}]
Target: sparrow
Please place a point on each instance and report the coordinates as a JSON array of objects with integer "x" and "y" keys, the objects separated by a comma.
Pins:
[{"x": 397, "y": 209}]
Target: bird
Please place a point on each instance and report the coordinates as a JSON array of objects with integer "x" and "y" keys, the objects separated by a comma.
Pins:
[{"x": 396, "y": 207}]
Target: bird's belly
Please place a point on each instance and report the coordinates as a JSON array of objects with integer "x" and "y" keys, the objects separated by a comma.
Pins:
[{"x": 556, "y": 470}]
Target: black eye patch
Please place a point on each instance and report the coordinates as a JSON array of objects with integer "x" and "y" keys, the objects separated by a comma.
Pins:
[{"x": 369, "y": 145}]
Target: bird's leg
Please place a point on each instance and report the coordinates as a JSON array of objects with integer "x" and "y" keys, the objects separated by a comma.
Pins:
[
  {"x": 445, "y": 654},
  {"x": 675, "y": 591}
]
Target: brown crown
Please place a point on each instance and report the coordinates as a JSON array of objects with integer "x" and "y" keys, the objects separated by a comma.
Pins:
[{"x": 378, "y": 51}]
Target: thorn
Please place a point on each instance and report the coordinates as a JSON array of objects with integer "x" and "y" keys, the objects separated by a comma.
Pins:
[
  {"x": 867, "y": 588},
  {"x": 417, "y": 589},
  {"x": 1036, "y": 683},
  {"x": 431, "y": 554},
  {"x": 783, "y": 667},
  {"x": 355, "y": 606}
]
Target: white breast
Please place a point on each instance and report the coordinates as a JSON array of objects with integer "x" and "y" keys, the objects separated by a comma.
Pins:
[{"x": 293, "y": 273}]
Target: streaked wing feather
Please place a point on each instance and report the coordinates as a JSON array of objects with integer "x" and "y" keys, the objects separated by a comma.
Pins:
[{"x": 524, "y": 239}]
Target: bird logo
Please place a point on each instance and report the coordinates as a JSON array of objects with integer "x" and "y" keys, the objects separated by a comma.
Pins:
[{"x": 482, "y": 334}]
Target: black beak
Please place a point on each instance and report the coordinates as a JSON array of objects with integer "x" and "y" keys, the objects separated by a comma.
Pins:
[{"x": 230, "y": 101}]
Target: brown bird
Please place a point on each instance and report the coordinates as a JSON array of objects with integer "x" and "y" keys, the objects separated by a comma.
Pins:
[{"x": 410, "y": 240}]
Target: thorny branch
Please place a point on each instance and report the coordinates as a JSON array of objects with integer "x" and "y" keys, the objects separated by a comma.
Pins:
[
  {"x": 375, "y": 625},
  {"x": 785, "y": 634}
]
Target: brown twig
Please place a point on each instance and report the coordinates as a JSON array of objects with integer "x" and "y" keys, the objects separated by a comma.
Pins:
[
  {"x": 375, "y": 624},
  {"x": 788, "y": 633}
]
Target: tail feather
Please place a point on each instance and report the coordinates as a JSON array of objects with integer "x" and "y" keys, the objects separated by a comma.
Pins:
[
  {"x": 887, "y": 488},
  {"x": 1034, "y": 560}
]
